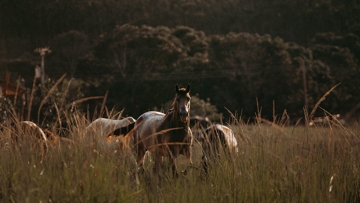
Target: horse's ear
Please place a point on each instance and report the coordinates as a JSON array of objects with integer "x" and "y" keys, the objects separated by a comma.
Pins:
[
  {"x": 188, "y": 88},
  {"x": 177, "y": 88}
]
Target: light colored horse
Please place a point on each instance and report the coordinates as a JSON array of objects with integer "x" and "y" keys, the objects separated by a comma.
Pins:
[
  {"x": 215, "y": 138},
  {"x": 107, "y": 131}
]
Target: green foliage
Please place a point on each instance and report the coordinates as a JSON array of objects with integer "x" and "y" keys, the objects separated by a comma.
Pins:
[
  {"x": 195, "y": 45},
  {"x": 204, "y": 108},
  {"x": 68, "y": 48},
  {"x": 144, "y": 52},
  {"x": 340, "y": 53}
]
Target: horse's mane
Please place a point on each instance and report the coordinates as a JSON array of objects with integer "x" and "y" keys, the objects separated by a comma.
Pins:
[{"x": 169, "y": 111}]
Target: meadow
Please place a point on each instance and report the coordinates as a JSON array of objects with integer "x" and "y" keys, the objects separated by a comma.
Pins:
[{"x": 275, "y": 163}]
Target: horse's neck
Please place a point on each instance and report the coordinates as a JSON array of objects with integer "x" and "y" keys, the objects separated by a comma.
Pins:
[{"x": 173, "y": 120}]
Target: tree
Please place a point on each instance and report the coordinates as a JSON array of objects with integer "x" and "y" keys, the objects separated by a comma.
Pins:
[
  {"x": 150, "y": 52},
  {"x": 69, "y": 48},
  {"x": 340, "y": 53}
]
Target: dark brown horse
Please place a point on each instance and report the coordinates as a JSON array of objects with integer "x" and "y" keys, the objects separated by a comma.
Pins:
[{"x": 165, "y": 134}]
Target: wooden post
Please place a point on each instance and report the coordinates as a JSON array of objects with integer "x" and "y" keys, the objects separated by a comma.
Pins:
[{"x": 43, "y": 51}]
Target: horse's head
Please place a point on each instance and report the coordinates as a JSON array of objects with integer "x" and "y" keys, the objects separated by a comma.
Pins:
[{"x": 182, "y": 103}]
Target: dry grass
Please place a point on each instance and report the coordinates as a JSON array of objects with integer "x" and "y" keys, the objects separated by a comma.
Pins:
[
  {"x": 275, "y": 164},
  {"x": 312, "y": 113}
]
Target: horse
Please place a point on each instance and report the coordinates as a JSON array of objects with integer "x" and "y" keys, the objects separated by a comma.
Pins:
[
  {"x": 199, "y": 122},
  {"x": 104, "y": 127},
  {"x": 165, "y": 135},
  {"x": 215, "y": 138},
  {"x": 108, "y": 131},
  {"x": 27, "y": 132}
]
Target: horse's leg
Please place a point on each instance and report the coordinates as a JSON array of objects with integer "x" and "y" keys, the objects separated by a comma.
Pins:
[
  {"x": 190, "y": 163},
  {"x": 157, "y": 170},
  {"x": 138, "y": 157},
  {"x": 173, "y": 167},
  {"x": 157, "y": 162},
  {"x": 206, "y": 154}
]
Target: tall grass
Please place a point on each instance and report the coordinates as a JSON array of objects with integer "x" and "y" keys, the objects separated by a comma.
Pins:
[{"x": 275, "y": 164}]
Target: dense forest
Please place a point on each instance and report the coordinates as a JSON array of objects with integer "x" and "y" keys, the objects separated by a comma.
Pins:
[{"x": 238, "y": 55}]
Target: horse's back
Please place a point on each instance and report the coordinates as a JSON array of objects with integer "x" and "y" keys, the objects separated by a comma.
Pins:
[
  {"x": 229, "y": 135},
  {"x": 102, "y": 127},
  {"x": 226, "y": 133},
  {"x": 147, "y": 123},
  {"x": 150, "y": 117}
]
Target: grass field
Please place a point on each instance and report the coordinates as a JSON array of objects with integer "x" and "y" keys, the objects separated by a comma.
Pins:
[{"x": 274, "y": 164}]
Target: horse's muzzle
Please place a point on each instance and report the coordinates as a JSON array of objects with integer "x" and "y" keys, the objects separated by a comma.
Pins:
[{"x": 184, "y": 116}]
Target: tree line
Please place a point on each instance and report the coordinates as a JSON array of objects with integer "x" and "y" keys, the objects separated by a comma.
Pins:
[{"x": 238, "y": 55}]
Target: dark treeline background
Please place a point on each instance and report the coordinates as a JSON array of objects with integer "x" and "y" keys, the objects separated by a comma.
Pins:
[{"x": 281, "y": 54}]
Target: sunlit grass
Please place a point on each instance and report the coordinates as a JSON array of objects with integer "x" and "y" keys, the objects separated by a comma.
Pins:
[{"x": 289, "y": 164}]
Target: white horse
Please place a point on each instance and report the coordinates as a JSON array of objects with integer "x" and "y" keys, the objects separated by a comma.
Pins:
[
  {"x": 107, "y": 131},
  {"x": 215, "y": 138}
]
